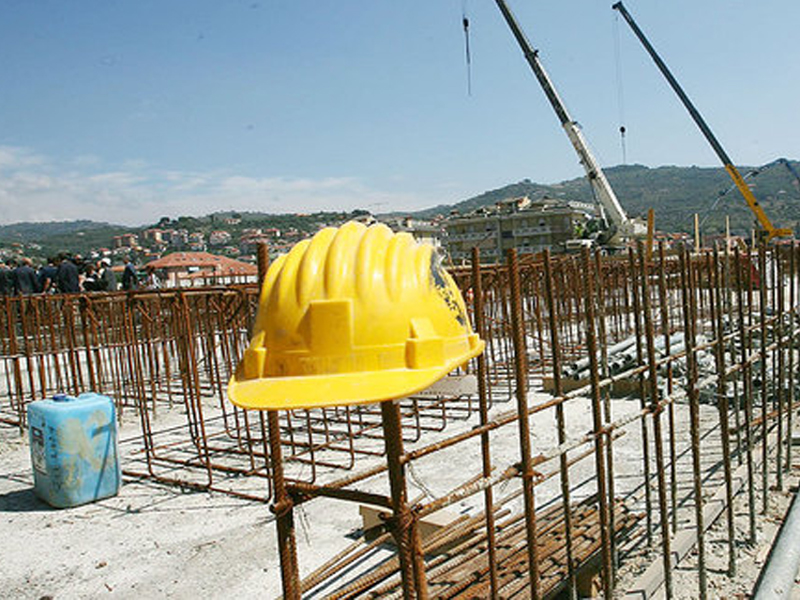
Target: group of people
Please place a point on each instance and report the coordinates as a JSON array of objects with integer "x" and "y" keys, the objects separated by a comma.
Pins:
[{"x": 65, "y": 274}]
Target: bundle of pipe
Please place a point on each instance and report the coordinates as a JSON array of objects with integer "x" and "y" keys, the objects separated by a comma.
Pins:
[
  {"x": 623, "y": 356},
  {"x": 579, "y": 369}
]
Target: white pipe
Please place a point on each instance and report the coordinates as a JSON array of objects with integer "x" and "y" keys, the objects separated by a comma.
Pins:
[{"x": 777, "y": 577}]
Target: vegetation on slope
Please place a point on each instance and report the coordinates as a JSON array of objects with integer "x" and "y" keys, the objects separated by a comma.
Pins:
[{"x": 675, "y": 193}]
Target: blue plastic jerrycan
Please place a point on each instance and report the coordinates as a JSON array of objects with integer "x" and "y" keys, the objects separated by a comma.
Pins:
[{"x": 74, "y": 449}]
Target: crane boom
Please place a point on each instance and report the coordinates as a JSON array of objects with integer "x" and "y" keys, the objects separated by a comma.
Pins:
[
  {"x": 769, "y": 230},
  {"x": 622, "y": 225},
  {"x": 753, "y": 173}
]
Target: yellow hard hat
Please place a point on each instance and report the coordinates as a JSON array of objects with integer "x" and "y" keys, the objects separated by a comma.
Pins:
[{"x": 354, "y": 315}]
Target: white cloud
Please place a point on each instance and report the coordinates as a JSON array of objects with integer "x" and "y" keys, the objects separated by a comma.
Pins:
[
  {"x": 36, "y": 188},
  {"x": 12, "y": 157}
]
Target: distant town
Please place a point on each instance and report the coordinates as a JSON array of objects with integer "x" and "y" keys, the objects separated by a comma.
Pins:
[{"x": 221, "y": 250}]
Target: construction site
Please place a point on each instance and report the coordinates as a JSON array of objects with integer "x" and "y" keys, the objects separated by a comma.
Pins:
[
  {"x": 628, "y": 430},
  {"x": 546, "y": 415}
]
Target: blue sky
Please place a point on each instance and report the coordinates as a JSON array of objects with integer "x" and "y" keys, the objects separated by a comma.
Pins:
[{"x": 128, "y": 110}]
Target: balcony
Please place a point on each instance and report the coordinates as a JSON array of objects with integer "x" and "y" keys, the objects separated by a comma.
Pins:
[
  {"x": 471, "y": 236},
  {"x": 533, "y": 231}
]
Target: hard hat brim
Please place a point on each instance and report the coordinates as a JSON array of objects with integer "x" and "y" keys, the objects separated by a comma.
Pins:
[{"x": 341, "y": 389}]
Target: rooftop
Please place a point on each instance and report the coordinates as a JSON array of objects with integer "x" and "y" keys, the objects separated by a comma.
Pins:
[{"x": 220, "y": 264}]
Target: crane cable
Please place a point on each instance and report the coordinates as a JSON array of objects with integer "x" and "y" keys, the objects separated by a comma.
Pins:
[
  {"x": 620, "y": 91},
  {"x": 752, "y": 173},
  {"x": 465, "y": 24}
]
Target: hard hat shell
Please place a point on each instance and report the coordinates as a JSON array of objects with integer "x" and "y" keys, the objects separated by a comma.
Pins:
[{"x": 354, "y": 315}]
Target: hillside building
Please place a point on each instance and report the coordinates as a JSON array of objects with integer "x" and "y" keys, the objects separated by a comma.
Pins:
[
  {"x": 219, "y": 238},
  {"x": 154, "y": 235},
  {"x": 251, "y": 238},
  {"x": 177, "y": 238},
  {"x": 423, "y": 231},
  {"x": 126, "y": 240}
]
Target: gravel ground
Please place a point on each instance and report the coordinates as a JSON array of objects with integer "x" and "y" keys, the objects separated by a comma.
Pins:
[{"x": 156, "y": 541}]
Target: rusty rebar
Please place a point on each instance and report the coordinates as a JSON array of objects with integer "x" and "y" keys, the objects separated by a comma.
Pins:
[
  {"x": 762, "y": 308},
  {"x": 792, "y": 343},
  {"x": 636, "y": 305},
  {"x": 690, "y": 319},
  {"x": 520, "y": 360},
  {"x": 483, "y": 401},
  {"x": 560, "y": 423},
  {"x": 656, "y": 409},
  {"x": 722, "y": 406},
  {"x": 665, "y": 330},
  {"x": 600, "y": 466}
]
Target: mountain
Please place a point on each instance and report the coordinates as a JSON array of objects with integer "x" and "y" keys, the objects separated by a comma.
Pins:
[
  {"x": 47, "y": 239},
  {"x": 81, "y": 237},
  {"x": 25, "y": 232},
  {"x": 675, "y": 193}
]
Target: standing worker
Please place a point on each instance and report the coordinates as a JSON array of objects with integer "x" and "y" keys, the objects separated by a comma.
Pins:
[
  {"x": 5, "y": 280},
  {"x": 90, "y": 278},
  {"x": 67, "y": 279},
  {"x": 47, "y": 275},
  {"x": 130, "y": 278},
  {"x": 106, "y": 281},
  {"x": 25, "y": 281},
  {"x": 152, "y": 282}
]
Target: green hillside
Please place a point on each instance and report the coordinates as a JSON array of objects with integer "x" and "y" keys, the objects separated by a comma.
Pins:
[
  {"x": 675, "y": 193},
  {"x": 56, "y": 236}
]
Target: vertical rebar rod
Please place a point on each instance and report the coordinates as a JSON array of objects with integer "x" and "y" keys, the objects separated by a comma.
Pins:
[
  {"x": 534, "y": 297},
  {"x": 24, "y": 306},
  {"x": 689, "y": 320},
  {"x": 717, "y": 304},
  {"x": 607, "y": 414},
  {"x": 40, "y": 346},
  {"x": 520, "y": 361},
  {"x": 762, "y": 308},
  {"x": 406, "y": 533},
  {"x": 555, "y": 348},
  {"x": 728, "y": 289},
  {"x": 792, "y": 346},
  {"x": 486, "y": 460},
  {"x": 656, "y": 409},
  {"x": 781, "y": 364},
  {"x": 284, "y": 514},
  {"x": 51, "y": 314},
  {"x": 665, "y": 328},
  {"x": 599, "y": 430},
  {"x": 13, "y": 350},
  {"x": 642, "y": 402},
  {"x": 741, "y": 263}
]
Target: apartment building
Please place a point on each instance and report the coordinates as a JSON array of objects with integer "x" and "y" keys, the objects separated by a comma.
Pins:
[{"x": 529, "y": 226}]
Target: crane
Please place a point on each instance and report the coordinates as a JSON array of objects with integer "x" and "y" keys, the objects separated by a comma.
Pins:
[
  {"x": 750, "y": 174},
  {"x": 621, "y": 227},
  {"x": 768, "y": 230}
]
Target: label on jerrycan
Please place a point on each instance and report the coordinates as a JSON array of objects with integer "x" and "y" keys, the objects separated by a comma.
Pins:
[{"x": 37, "y": 450}]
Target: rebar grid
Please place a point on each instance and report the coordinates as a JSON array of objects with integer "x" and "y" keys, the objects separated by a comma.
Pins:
[{"x": 701, "y": 330}]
